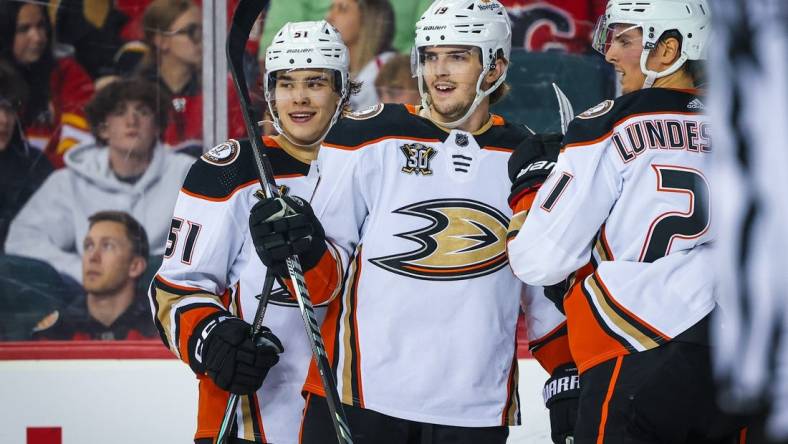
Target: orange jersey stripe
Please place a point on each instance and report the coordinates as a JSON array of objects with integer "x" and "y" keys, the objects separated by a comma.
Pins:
[
  {"x": 497, "y": 148},
  {"x": 212, "y": 402},
  {"x": 321, "y": 280},
  {"x": 378, "y": 140},
  {"x": 454, "y": 270},
  {"x": 554, "y": 353},
  {"x": 220, "y": 199},
  {"x": 524, "y": 202},
  {"x": 179, "y": 287},
  {"x": 187, "y": 322},
  {"x": 589, "y": 343},
  {"x": 608, "y": 397}
]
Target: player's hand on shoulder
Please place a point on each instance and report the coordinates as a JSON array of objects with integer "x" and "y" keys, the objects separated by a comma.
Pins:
[
  {"x": 561, "y": 395},
  {"x": 237, "y": 363},
  {"x": 285, "y": 226},
  {"x": 531, "y": 162}
]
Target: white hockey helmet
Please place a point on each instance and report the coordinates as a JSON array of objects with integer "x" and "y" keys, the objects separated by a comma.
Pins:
[
  {"x": 690, "y": 18},
  {"x": 307, "y": 45},
  {"x": 480, "y": 23}
]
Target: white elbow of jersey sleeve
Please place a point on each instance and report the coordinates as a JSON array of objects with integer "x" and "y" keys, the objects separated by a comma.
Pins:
[{"x": 536, "y": 260}]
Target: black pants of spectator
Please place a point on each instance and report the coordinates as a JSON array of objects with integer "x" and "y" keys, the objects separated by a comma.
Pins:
[
  {"x": 663, "y": 395},
  {"x": 369, "y": 427}
]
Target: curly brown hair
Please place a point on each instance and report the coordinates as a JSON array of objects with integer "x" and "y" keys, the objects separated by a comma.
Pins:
[{"x": 117, "y": 93}]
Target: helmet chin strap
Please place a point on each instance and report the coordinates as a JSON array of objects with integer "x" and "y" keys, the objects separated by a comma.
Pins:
[
  {"x": 480, "y": 95},
  {"x": 652, "y": 76}
]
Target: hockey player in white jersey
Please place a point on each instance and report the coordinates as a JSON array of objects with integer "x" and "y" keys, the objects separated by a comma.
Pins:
[
  {"x": 206, "y": 292},
  {"x": 422, "y": 340},
  {"x": 629, "y": 194}
]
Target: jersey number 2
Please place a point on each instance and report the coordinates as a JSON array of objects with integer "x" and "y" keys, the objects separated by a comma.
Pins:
[
  {"x": 675, "y": 224},
  {"x": 191, "y": 238}
]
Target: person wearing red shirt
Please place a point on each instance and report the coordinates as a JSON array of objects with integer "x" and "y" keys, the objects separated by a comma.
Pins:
[
  {"x": 173, "y": 29},
  {"x": 53, "y": 119}
]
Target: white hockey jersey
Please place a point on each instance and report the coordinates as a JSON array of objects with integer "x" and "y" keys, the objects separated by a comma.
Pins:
[
  {"x": 629, "y": 194},
  {"x": 425, "y": 327},
  {"x": 210, "y": 267}
]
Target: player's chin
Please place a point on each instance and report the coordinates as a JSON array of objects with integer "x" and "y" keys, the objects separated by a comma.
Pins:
[
  {"x": 450, "y": 111},
  {"x": 303, "y": 136}
]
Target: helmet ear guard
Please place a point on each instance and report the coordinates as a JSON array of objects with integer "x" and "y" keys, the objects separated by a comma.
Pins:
[{"x": 483, "y": 24}]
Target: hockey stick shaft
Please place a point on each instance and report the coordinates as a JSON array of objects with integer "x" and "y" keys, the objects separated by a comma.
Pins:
[{"x": 245, "y": 15}]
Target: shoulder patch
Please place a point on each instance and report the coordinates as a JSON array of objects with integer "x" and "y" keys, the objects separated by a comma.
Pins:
[
  {"x": 597, "y": 110},
  {"x": 223, "y": 154},
  {"x": 366, "y": 113},
  {"x": 47, "y": 321}
]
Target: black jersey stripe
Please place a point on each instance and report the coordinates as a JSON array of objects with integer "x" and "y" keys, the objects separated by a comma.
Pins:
[
  {"x": 631, "y": 321},
  {"x": 601, "y": 322},
  {"x": 355, "y": 379},
  {"x": 219, "y": 182},
  {"x": 163, "y": 284},
  {"x": 397, "y": 121},
  {"x": 582, "y": 131},
  {"x": 257, "y": 421},
  {"x": 392, "y": 121}
]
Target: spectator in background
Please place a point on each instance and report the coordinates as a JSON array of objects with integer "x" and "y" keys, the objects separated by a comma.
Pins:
[
  {"x": 395, "y": 82},
  {"x": 22, "y": 169},
  {"x": 115, "y": 256},
  {"x": 173, "y": 29},
  {"x": 406, "y": 14},
  {"x": 59, "y": 87},
  {"x": 93, "y": 28},
  {"x": 367, "y": 27},
  {"x": 127, "y": 170}
]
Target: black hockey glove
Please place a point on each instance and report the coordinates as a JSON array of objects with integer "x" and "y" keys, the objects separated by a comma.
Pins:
[
  {"x": 557, "y": 292},
  {"x": 561, "y": 395},
  {"x": 282, "y": 227},
  {"x": 531, "y": 162},
  {"x": 230, "y": 358}
]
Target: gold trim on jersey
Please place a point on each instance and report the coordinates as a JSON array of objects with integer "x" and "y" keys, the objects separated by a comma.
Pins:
[
  {"x": 349, "y": 351},
  {"x": 630, "y": 330},
  {"x": 166, "y": 300},
  {"x": 512, "y": 410},
  {"x": 516, "y": 223}
]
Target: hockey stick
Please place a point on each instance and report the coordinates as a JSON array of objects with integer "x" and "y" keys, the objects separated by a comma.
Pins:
[
  {"x": 244, "y": 17},
  {"x": 564, "y": 108}
]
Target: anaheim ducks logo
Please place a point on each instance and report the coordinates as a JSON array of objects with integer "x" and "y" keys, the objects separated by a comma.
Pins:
[{"x": 466, "y": 239}]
